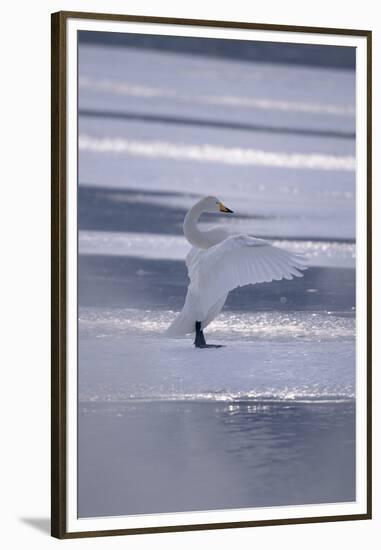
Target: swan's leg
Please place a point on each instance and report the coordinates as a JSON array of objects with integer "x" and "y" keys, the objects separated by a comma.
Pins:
[{"x": 199, "y": 341}]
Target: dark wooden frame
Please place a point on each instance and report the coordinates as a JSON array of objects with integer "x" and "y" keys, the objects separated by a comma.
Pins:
[{"x": 58, "y": 273}]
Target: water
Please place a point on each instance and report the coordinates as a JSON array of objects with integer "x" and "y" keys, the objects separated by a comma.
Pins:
[{"x": 157, "y": 457}]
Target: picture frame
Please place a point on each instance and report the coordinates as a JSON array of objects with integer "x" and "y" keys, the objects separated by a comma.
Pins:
[{"x": 66, "y": 523}]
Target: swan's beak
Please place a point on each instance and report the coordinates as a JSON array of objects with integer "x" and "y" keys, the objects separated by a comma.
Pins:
[{"x": 224, "y": 208}]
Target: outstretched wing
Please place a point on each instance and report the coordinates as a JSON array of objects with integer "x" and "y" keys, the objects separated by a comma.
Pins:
[{"x": 237, "y": 261}]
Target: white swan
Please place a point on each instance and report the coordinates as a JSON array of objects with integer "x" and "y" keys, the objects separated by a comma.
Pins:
[{"x": 220, "y": 261}]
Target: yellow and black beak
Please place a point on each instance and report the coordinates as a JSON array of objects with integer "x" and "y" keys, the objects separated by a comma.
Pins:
[{"x": 224, "y": 208}]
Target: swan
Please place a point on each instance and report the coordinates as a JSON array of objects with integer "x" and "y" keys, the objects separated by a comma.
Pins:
[{"x": 220, "y": 261}]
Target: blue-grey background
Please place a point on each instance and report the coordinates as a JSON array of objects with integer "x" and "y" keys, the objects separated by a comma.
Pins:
[{"x": 269, "y": 419}]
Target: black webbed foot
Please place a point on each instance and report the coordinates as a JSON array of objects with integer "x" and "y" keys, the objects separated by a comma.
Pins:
[{"x": 200, "y": 341}]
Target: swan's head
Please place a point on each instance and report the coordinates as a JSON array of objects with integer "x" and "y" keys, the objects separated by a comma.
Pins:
[{"x": 213, "y": 205}]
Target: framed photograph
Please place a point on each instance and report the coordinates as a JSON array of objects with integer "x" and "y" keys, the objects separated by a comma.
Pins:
[{"x": 211, "y": 274}]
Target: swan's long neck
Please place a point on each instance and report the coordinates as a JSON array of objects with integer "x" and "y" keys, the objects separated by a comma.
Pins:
[{"x": 191, "y": 231}]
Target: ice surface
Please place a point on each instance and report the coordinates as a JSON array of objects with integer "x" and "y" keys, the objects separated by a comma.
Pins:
[{"x": 291, "y": 356}]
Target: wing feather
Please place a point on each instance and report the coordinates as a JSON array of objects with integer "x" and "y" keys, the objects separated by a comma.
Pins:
[
  {"x": 273, "y": 265},
  {"x": 260, "y": 269},
  {"x": 239, "y": 260}
]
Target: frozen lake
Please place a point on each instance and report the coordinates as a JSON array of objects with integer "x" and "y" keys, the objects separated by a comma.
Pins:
[{"x": 267, "y": 420}]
